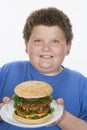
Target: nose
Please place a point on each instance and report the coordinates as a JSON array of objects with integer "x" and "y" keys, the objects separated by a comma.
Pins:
[{"x": 46, "y": 46}]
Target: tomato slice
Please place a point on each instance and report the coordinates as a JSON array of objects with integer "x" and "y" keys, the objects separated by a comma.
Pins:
[
  {"x": 35, "y": 106},
  {"x": 31, "y": 99}
]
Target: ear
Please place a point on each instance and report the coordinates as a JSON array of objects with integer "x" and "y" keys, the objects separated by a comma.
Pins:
[
  {"x": 26, "y": 46},
  {"x": 68, "y": 47}
]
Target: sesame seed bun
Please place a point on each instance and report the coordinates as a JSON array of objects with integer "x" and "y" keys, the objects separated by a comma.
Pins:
[{"x": 33, "y": 89}]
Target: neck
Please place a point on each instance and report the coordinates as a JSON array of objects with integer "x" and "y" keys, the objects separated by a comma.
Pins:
[{"x": 54, "y": 72}]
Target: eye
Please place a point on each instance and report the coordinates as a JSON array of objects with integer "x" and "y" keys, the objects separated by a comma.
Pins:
[
  {"x": 55, "y": 41},
  {"x": 38, "y": 41}
]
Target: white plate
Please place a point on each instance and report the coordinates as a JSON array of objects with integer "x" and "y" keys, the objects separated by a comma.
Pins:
[{"x": 8, "y": 109}]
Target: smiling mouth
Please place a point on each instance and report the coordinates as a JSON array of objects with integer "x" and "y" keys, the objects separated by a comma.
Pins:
[{"x": 46, "y": 56}]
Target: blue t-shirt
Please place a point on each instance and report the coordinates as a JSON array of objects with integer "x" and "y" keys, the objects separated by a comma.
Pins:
[{"x": 69, "y": 85}]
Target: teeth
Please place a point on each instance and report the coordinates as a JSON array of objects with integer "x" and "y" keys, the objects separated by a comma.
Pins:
[{"x": 46, "y": 56}]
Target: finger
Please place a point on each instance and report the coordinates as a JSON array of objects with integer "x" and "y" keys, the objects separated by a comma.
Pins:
[
  {"x": 61, "y": 102},
  {"x": 6, "y": 99}
]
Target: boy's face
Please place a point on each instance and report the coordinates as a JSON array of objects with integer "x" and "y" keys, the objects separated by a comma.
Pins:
[{"x": 47, "y": 48}]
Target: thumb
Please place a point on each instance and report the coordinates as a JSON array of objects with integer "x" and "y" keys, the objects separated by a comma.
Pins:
[
  {"x": 60, "y": 101},
  {"x": 6, "y": 99}
]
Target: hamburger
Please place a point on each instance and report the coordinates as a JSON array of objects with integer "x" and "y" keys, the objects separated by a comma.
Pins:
[{"x": 32, "y": 101}]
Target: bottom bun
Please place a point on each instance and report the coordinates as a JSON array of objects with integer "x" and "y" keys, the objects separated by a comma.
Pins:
[{"x": 32, "y": 121}]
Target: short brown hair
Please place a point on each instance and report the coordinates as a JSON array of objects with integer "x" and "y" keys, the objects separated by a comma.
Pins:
[{"x": 50, "y": 17}]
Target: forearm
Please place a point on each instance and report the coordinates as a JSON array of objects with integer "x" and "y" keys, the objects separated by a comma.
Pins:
[{"x": 70, "y": 122}]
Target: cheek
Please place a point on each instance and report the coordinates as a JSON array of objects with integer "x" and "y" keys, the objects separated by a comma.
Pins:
[
  {"x": 32, "y": 51},
  {"x": 60, "y": 52},
  {"x": 64, "y": 50}
]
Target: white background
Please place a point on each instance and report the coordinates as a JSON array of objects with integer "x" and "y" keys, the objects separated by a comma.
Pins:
[{"x": 13, "y": 14}]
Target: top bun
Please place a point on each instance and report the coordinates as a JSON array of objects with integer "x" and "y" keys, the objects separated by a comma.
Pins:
[{"x": 33, "y": 89}]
